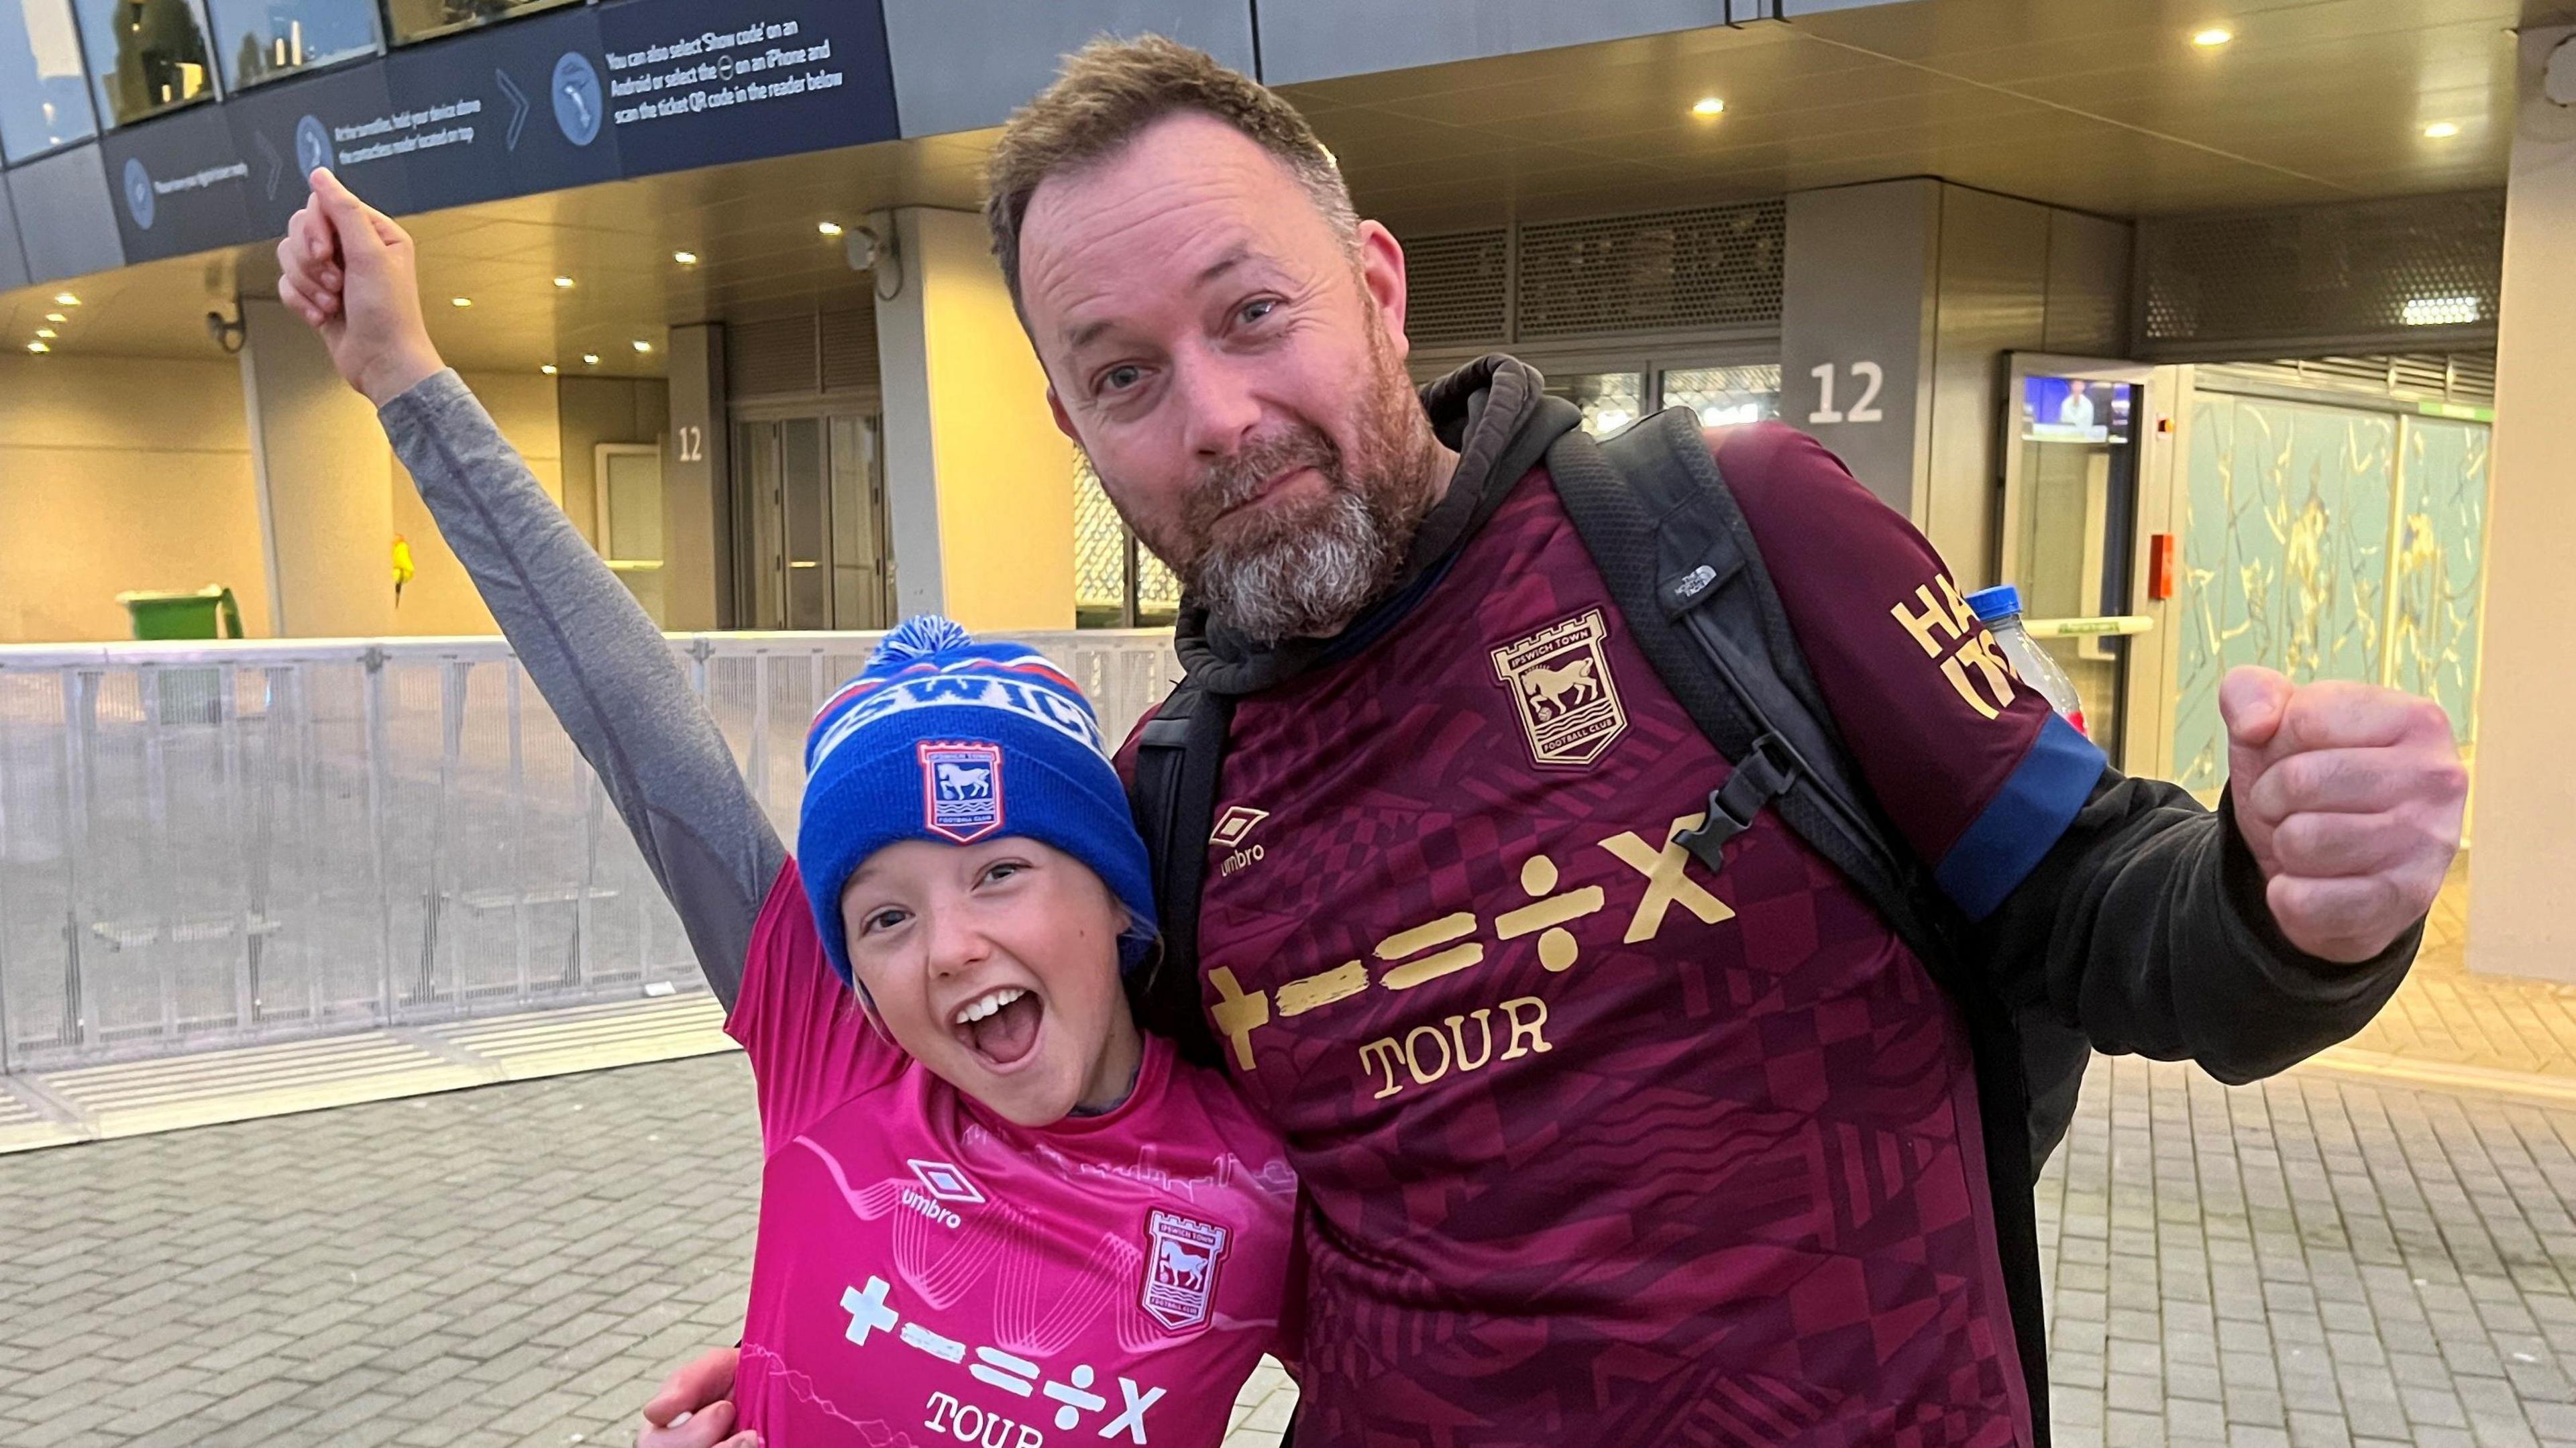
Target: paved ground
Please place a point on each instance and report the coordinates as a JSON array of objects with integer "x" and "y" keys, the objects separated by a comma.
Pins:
[
  {"x": 2312, "y": 1261},
  {"x": 2444, "y": 1015},
  {"x": 518, "y": 1264}
]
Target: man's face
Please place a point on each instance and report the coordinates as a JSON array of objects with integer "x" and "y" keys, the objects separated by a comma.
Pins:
[{"x": 1235, "y": 371}]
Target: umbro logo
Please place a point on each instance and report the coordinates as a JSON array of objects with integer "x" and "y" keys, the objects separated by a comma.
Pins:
[
  {"x": 1232, "y": 828},
  {"x": 946, "y": 1182}
]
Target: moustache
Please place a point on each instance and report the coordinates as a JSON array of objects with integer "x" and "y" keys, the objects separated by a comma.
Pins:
[{"x": 1231, "y": 482}]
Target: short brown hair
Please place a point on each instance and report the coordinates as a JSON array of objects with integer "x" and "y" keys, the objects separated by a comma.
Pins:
[{"x": 1107, "y": 94}]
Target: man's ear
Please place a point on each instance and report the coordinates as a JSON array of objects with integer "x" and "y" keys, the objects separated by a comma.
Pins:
[{"x": 1381, "y": 259}]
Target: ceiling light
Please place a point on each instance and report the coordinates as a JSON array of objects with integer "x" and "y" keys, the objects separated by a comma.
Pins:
[
  {"x": 2441, "y": 130},
  {"x": 2440, "y": 311},
  {"x": 38, "y": 348},
  {"x": 643, "y": 346},
  {"x": 589, "y": 359},
  {"x": 46, "y": 333},
  {"x": 1708, "y": 106},
  {"x": 65, "y": 299},
  {"x": 829, "y": 228},
  {"x": 2212, "y": 38},
  {"x": 460, "y": 301},
  {"x": 563, "y": 284},
  {"x": 549, "y": 369},
  {"x": 685, "y": 258},
  {"x": 56, "y": 317}
]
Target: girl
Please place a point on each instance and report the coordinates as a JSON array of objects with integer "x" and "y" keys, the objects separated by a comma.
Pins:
[{"x": 992, "y": 1211}]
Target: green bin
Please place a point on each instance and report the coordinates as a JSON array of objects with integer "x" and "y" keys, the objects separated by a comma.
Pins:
[
  {"x": 208, "y": 613},
  {"x": 188, "y": 696}
]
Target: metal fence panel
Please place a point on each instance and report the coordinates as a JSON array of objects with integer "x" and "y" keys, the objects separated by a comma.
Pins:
[{"x": 232, "y": 843}]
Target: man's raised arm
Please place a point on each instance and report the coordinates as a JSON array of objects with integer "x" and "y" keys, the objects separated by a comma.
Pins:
[{"x": 603, "y": 667}]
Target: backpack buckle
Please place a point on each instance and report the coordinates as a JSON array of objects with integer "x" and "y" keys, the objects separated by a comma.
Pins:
[{"x": 1765, "y": 774}]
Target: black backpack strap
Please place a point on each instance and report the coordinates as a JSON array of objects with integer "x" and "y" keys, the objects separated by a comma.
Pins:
[
  {"x": 1179, "y": 757},
  {"x": 1682, "y": 566}
]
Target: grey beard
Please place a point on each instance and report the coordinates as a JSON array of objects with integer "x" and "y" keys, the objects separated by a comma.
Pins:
[{"x": 1310, "y": 584}]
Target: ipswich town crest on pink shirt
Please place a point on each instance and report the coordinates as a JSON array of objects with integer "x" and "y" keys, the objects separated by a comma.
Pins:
[
  {"x": 961, "y": 789},
  {"x": 1181, "y": 1258}
]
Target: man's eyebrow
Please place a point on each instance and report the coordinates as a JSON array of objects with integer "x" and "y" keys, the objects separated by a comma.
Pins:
[
  {"x": 1235, "y": 256},
  {"x": 1090, "y": 332}
]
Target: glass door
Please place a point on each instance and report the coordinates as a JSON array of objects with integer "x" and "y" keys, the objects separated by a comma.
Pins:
[
  {"x": 813, "y": 525},
  {"x": 862, "y": 564},
  {"x": 2074, "y": 439},
  {"x": 629, "y": 496}
]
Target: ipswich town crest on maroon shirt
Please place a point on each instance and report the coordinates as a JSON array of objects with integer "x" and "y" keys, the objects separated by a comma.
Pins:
[
  {"x": 961, "y": 789},
  {"x": 1181, "y": 1258},
  {"x": 1560, "y": 679}
]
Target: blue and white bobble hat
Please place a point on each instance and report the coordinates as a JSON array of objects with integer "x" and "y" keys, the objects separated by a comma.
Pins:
[{"x": 946, "y": 739}]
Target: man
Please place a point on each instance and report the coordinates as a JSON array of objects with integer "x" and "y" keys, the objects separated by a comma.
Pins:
[
  {"x": 1601, "y": 1146},
  {"x": 2077, "y": 409}
]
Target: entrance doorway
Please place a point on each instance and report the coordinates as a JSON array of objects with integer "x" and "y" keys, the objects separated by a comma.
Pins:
[
  {"x": 2087, "y": 460},
  {"x": 811, "y": 523}
]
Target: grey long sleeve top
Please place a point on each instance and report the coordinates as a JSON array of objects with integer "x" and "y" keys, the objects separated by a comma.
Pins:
[{"x": 603, "y": 667}]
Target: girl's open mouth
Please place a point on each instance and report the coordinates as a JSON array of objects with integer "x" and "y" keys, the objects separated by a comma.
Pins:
[{"x": 1001, "y": 1025}]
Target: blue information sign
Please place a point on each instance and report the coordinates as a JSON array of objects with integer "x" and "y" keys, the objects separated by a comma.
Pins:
[
  {"x": 702, "y": 82},
  {"x": 335, "y": 119},
  {"x": 181, "y": 186},
  {"x": 508, "y": 111}
]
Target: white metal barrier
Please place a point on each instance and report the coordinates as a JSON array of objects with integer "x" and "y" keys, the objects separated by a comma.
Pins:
[{"x": 228, "y": 843}]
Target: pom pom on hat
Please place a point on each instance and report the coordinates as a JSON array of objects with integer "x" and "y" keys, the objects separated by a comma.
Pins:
[{"x": 918, "y": 637}]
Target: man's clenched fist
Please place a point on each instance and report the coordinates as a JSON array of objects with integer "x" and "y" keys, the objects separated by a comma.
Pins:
[
  {"x": 347, "y": 269},
  {"x": 2350, "y": 796}
]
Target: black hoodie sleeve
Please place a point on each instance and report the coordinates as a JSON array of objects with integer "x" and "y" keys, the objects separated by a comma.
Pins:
[{"x": 2145, "y": 928}]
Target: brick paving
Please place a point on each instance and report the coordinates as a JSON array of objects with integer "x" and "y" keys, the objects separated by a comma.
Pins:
[
  {"x": 514, "y": 1265},
  {"x": 2314, "y": 1260},
  {"x": 2446, "y": 1016}
]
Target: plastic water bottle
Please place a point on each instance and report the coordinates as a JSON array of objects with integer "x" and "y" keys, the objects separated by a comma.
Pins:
[{"x": 1999, "y": 609}]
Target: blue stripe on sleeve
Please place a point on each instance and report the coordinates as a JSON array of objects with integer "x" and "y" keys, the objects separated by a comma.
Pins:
[{"x": 2025, "y": 817}]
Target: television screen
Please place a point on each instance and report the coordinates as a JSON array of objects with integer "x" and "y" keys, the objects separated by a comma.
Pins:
[{"x": 2071, "y": 409}]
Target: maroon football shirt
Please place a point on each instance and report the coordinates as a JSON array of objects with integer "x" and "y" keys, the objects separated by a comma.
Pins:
[{"x": 1601, "y": 1147}]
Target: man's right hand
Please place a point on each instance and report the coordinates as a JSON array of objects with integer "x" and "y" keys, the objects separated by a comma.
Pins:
[
  {"x": 351, "y": 272},
  {"x": 695, "y": 1407}
]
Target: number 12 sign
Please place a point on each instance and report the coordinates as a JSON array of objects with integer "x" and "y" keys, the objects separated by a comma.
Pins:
[{"x": 1865, "y": 375}]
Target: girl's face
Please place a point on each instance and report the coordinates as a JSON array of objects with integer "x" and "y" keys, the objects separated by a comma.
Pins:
[{"x": 996, "y": 965}]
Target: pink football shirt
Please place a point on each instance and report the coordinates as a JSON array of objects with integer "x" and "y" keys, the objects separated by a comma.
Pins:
[{"x": 929, "y": 1273}]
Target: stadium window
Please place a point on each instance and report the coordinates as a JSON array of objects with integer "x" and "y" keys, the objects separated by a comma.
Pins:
[
  {"x": 421, "y": 19},
  {"x": 147, "y": 56},
  {"x": 259, "y": 40},
  {"x": 44, "y": 94}
]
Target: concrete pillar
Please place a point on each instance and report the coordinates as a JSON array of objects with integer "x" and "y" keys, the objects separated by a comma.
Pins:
[
  {"x": 697, "y": 484},
  {"x": 2525, "y": 789},
  {"x": 979, "y": 484},
  {"x": 1901, "y": 299},
  {"x": 323, "y": 467}
]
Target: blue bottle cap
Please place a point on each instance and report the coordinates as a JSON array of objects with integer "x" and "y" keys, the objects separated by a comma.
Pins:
[{"x": 1999, "y": 602}]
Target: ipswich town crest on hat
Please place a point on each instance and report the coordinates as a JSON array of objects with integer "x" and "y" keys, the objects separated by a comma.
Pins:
[{"x": 961, "y": 789}]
